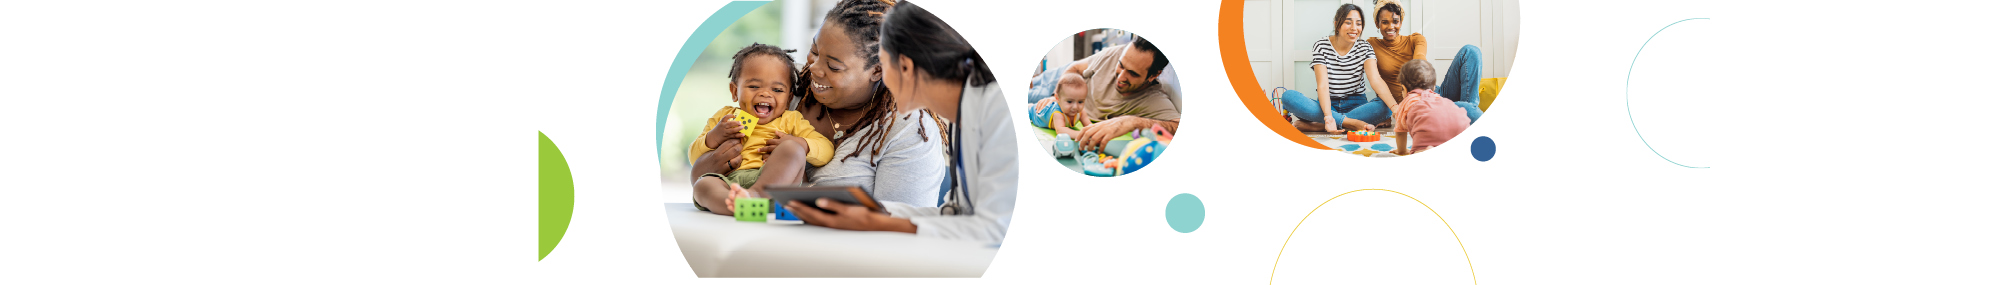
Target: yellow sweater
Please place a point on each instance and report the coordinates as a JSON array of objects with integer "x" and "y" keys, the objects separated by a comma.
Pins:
[{"x": 819, "y": 149}]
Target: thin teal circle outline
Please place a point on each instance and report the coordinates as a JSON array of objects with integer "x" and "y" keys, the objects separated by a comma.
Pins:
[
  {"x": 684, "y": 60},
  {"x": 1628, "y": 94}
]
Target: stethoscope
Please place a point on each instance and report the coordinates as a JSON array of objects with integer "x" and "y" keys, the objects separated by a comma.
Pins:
[{"x": 958, "y": 204}]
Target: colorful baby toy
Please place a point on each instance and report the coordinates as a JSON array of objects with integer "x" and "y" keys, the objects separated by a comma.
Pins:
[
  {"x": 1278, "y": 101},
  {"x": 779, "y": 213},
  {"x": 1065, "y": 146},
  {"x": 1363, "y": 136},
  {"x": 1146, "y": 145},
  {"x": 748, "y": 120},
  {"x": 752, "y": 209}
]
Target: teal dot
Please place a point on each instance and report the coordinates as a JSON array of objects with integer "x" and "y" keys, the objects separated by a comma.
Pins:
[{"x": 1184, "y": 213}]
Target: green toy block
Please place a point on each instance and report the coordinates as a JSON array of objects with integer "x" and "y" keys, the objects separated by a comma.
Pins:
[{"x": 752, "y": 209}]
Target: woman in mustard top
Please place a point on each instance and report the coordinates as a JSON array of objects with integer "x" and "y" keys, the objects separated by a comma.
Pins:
[{"x": 1461, "y": 81}]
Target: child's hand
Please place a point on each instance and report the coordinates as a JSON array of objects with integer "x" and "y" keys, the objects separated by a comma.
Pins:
[
  {"x": 784, "y": 138},
  {"x": 727, "y": 129}
]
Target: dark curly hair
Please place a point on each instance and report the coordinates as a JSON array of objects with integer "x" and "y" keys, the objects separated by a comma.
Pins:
[
  {"x": 756, "y": 49},
  {"x": 1388, "y": 8},
  {"x": 862, "y": 20}
]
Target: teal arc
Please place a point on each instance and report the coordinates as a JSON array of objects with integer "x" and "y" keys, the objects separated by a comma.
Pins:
[{"x": 1628, "y": 94}]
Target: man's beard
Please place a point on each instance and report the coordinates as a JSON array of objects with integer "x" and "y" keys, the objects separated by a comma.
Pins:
[{"x": 1140, "y": 87}]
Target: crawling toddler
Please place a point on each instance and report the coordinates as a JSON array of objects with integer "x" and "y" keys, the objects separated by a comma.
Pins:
[{"x": 1423, "y": 116}]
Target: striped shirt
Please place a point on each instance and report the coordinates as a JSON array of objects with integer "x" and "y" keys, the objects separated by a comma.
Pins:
[{"x": 1343, "y": 72}]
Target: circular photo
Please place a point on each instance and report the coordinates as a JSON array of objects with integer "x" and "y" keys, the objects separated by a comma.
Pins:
[
  {"x": 1104, "y": 102},
  {"x": 853, "y": 138},
  {"x": 1381, "y": 78}
]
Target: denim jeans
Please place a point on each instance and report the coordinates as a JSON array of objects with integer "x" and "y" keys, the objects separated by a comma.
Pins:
[
  {"x": 1044, "y": 85},
  {"x": 1461, "y": 85},
  {"x": 1461, "y": 81},
  {"x": 1353, "y": 106}
]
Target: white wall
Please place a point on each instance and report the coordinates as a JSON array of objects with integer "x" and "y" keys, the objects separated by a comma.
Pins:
[
  {"x": 1062, "y": 53},
  {"x": 1278, "y": 34}
]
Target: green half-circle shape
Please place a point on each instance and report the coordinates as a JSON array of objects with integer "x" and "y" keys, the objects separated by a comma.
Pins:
[{"x": 558, "y": 196}]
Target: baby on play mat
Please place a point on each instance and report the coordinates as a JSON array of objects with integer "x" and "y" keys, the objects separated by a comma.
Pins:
[{"x": 1063, "y": 112}]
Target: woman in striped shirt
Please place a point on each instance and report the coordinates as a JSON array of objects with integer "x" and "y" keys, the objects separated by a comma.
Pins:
[{"x": 1345, "y": 63}]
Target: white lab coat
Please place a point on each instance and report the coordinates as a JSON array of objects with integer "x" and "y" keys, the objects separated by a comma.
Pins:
[{"x": 992, "y": 169}]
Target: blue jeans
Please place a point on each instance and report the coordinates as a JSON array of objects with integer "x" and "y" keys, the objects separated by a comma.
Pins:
[
  {"x": 1353, "y": 106},
  {"x": 1044, "y": 85},
  {"x": 1461, "y": 81}
]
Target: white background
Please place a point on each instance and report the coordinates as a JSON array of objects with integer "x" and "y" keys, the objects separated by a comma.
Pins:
[{"x": 371, "y": 141}]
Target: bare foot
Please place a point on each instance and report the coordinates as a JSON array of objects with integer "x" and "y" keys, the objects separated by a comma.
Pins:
[
  {"x": 1308, "y": 126},
  {"x": 1356, "y": 125}
]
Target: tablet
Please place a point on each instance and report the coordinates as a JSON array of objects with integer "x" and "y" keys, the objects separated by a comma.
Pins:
[{"x": 807, "y": 195}]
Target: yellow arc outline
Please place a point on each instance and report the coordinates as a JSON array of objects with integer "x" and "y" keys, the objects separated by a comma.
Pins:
[{"x": 1302, "y": 221}]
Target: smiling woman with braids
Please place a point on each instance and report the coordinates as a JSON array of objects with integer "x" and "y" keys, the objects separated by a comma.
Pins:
[
  {"x": 928, "y": 67},
  {"x": 894, "y": 155}
]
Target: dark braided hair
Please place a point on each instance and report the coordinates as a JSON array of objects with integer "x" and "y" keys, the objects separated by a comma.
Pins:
[
  {"x": 756, "y": 49},
  {"x": 862, "y": 19}
]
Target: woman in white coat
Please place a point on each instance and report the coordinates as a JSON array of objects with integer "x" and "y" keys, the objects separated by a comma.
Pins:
[{"x": 928, "y": 66}]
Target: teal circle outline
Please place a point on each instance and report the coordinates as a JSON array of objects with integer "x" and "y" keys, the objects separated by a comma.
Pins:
[
  {"x": 684, "y": 60},
  {"x": 1628, "y": 93}
]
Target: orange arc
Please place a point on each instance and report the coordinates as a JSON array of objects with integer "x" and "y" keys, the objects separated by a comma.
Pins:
[{"x": 1236, "y": 61}]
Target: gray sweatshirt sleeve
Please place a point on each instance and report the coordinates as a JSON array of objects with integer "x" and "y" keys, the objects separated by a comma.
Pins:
[
  {"x": 912, "y": 167},
  {"x": 992, "y": 167}
]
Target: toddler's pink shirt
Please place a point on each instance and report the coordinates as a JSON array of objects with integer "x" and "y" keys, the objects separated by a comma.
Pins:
[{"x": 1430, "y": 119}]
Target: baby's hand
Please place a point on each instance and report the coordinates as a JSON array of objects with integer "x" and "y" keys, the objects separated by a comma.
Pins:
[{"x": 725, "y": 130}]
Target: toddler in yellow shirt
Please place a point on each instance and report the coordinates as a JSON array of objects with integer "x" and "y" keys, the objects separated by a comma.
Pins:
[{"x": 760, "y": 83}]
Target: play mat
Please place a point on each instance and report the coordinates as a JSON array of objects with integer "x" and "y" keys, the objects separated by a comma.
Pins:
[
  {"x": 1339, "y": 142},
  {"x": 1047, "y": 137}
]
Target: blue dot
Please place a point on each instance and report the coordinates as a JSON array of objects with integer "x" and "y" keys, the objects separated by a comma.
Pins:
[
  {"x": 1184, "y": 213},
  {"x": 1482, "y": 148}
]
